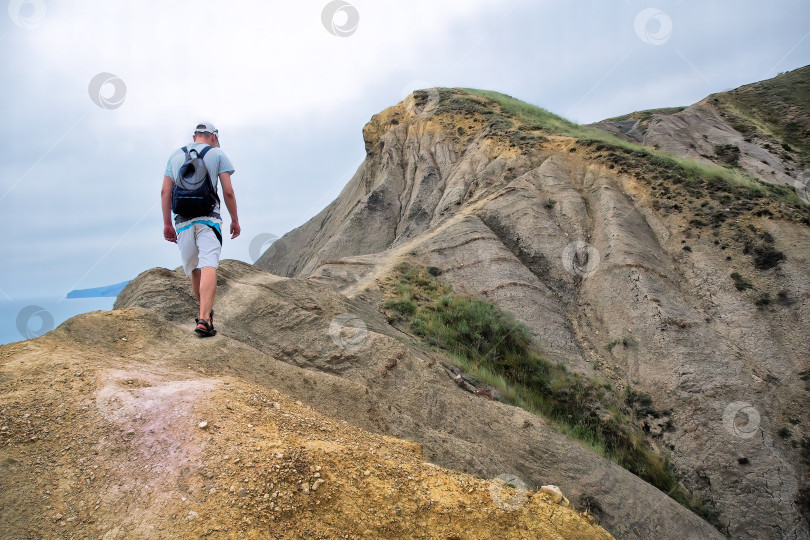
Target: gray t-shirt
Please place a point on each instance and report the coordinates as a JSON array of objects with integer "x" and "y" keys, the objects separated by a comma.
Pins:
[{"x": 215, "y": 161}]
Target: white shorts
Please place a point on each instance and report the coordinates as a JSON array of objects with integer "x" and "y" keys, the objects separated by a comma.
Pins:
[{"x": 199, "y": 247}]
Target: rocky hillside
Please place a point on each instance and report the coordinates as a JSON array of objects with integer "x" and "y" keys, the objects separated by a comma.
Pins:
[
  {"x": 340, "y": 356},
  {"x": 123, "y": 424},
  {"x": 669, "y": 271},
  {"x": 763, "y": 128}
]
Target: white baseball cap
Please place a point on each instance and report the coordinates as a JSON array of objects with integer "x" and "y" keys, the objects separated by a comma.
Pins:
[{"x": 205, "y": 127}]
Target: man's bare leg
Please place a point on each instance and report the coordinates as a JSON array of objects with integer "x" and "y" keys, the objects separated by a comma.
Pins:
[
  {"x": 205, "y": 286},
  {"x": 195, "y": 282},
  {"x": 205, "y": 290}
]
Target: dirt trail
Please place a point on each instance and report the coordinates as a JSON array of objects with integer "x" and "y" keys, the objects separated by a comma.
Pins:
[{"x": 386, "y": 260}]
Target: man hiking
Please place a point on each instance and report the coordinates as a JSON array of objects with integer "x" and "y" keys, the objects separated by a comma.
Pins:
[{"x": 190, "y": 191}]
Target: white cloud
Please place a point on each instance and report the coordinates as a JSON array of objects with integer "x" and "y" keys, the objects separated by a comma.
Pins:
[{"x": 249, "y": 62}]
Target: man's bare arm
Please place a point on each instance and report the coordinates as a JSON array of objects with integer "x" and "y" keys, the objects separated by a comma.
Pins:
[
  {"x": 230, "y": 203},
  {"x": 166, "y": 204}
]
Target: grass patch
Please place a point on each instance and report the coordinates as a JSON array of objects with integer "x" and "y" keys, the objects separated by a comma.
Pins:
[
  {"x": 773, "y": 109},
  {"x": 490, "y": 345},
  {"x": 646, "y": 115},
  {"x": 404, "y": 306},
  {"x": 530, "y": 115}
]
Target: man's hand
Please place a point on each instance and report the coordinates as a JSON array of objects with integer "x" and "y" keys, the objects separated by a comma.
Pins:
[
  {"x": 230, "y": 202},
  {"x": 166, "y": 205},
  {"x": 169, "y": 233}
]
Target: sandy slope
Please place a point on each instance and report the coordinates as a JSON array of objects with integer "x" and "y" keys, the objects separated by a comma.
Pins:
[{"x": 112, "y": 427}]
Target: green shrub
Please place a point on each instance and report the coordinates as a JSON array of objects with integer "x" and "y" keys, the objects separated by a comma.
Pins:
[
  {"x": 763, "y": 300},
  {"x": 740, "y": 282},
  {"x": 404, "y": 306},
  {"x": 627, "y": 341},
  {"x": 767, "y": 257},
  {"x": 727, "y": 153}
]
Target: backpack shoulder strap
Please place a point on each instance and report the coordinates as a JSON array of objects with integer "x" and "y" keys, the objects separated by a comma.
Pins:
[
  {"x": 204, "y": 151},
  {"x": 208, "y": 175}
]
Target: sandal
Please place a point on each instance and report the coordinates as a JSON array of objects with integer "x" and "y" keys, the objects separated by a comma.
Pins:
[{"x": 204, "y": 328}]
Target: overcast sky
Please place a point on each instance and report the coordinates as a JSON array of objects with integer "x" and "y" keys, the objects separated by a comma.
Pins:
[{"x": 290, "y": 86}]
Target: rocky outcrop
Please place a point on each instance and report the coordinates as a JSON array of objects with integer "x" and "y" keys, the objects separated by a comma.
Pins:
[{"x": 626, "y": 266}]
